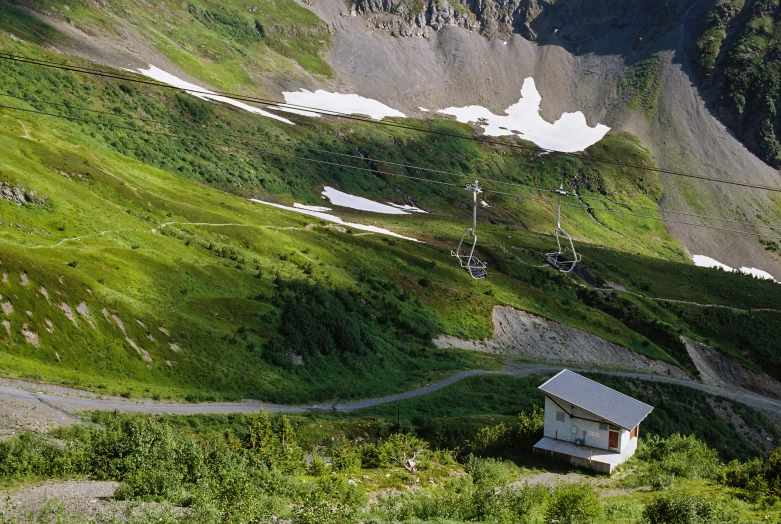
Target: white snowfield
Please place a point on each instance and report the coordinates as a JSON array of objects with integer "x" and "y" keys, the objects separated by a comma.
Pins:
[
  {"x": 703, "y": 261},
  {"x": 570, "y": 133},
  {"x": 336, "y": 103},
  {"x": 312, "y": 208},
  {"x": 405, "y": 207},
  {"x": 203, "y": 93},
  {"x": 336, "y": 220},
  {"x": 338, "y": 198}
]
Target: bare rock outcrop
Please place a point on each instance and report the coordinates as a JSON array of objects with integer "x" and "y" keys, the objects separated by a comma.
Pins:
[
  {"x": 20, "y": 196},
  {"x": 576, "y": 22},
  {"x": 717, "y": 369},
  {"x": 520, "y": 333}
]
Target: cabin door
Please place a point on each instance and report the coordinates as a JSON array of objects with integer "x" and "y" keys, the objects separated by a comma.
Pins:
[{"x": 612, "y": 439}]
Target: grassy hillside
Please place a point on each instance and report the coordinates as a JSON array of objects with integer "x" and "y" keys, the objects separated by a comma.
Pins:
[
  {"x": 227, "y": 44},
  {"x": 136, "y": 264}
]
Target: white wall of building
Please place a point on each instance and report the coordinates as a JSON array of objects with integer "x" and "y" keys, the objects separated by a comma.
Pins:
[{"x": 596, "y": 429}]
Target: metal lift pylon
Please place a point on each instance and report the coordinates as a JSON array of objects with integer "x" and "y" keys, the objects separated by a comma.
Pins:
[
  {"x": 473, "y": 265},
  {"x": 565, "y": 259}
]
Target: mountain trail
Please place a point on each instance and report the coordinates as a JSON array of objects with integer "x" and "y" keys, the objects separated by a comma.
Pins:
[{"x": 70, "y": 401}]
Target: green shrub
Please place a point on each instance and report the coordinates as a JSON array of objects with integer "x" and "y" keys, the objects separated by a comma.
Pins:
[
  {"x": 490, "y": 440},
  {"x": 314, "y": 511},
  {"x": 524, "y": 503},
  {"x": 374, "y": 456},
  {"x": 573, "y": 503},
  {"x": 28, "y": 456},
  {"x": 676, "y": 457},
  {"x": 346, "y": 458},
  {"x": 680, "y": 508},
  {"x": 318, "y": 466},
  {"x": 530, "y": 427},
  {"x": 406, "y": 451},
  {"x": 489, "y": 472},
  {"x": 343, "y": 491}
]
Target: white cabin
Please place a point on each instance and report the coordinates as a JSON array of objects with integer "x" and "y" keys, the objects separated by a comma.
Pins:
[{"x": 588, "y": 424}]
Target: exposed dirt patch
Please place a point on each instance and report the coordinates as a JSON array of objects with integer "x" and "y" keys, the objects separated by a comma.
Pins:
[
  {"x": 717, "y": 369},
  {"x": 7, "y": 326},
  {"x": 45, "y": 293},
  {"x": 174, "y": 347},
  {"x": 78, "y": 498},
  {"x": 84, "y": 311},
  {"x": 8, "y": 308},
  {"x": 24, "y": 279},
  {"x": 120, "y": 324},
  {"x": 49, "y": 325},
  {"x": 18, "y": 415},
  {"x": 68, "y": 313},
  {"x": 520, "y": 333},
  {"x": 164, "y": 331},
  {"x": 30, "y": 336},
  {"x": 144, "y": 354}
]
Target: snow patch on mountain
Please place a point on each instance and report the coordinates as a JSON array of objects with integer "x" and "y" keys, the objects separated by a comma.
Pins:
[
  {"x": 703, "y": 261},
  {"x": 336, "y": 220},
  {"x": 570, "y": 133},
  {"x": 204, "y": 94},
  {"x": 338, "y": 198},
  {"x": 326, "y": 102}
]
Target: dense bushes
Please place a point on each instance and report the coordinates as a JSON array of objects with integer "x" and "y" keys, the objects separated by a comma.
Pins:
[
  {"x": 758, "y": 479},
  {"x": 503, "y": 440},
  {"x": 28, "y": 457},
  {"x": 254, "y": 469},
  {"x": 315, "y": 320},
  {"x": 319, "y": 321},
  {"x": 679, "y": 508}
]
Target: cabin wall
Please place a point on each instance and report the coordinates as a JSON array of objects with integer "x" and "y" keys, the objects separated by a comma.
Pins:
[{"x": 593, "y": 433}]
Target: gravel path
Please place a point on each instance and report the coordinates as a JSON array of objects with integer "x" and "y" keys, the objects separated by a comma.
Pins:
[{"x": 70, "y": 404}]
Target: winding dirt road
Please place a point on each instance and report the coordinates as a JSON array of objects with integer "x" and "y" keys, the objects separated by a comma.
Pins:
[{"x": 71, "y": 404}]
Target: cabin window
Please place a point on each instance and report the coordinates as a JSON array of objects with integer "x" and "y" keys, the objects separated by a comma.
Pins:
[
  {"x": 603, "y": 427},
  {"x": 560, "y": 416},
  {"x": 574, "y": 430}
]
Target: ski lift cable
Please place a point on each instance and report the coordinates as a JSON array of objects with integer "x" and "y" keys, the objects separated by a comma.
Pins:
[
  {"x": 658, "y": 219},
  {"x": 373, "y": 159},
  {"x": 229, "y": 146},
  {"x": 363, "y": 169},
  {"x": 259, "y": 100}
]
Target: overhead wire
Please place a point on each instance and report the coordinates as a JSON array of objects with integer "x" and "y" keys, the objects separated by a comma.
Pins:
[
  {"x": 359, "y": 168},
  {"x": 372, "y": 159},
  {"x": 282, "y": 106},
  {"x": 230, "y": 146},
  {"x": 659, "y": 219}
]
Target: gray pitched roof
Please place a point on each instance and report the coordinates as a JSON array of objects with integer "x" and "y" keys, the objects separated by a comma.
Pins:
[{"x": 600, "y": 400}]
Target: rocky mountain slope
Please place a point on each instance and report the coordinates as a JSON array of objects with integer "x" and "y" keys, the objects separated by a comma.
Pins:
[{"x": 583, "y": 56}]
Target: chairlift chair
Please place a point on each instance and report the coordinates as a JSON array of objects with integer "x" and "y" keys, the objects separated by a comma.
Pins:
[
  {"x": 567, "y": 258},
  {"x": 476, "y": 268}
]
